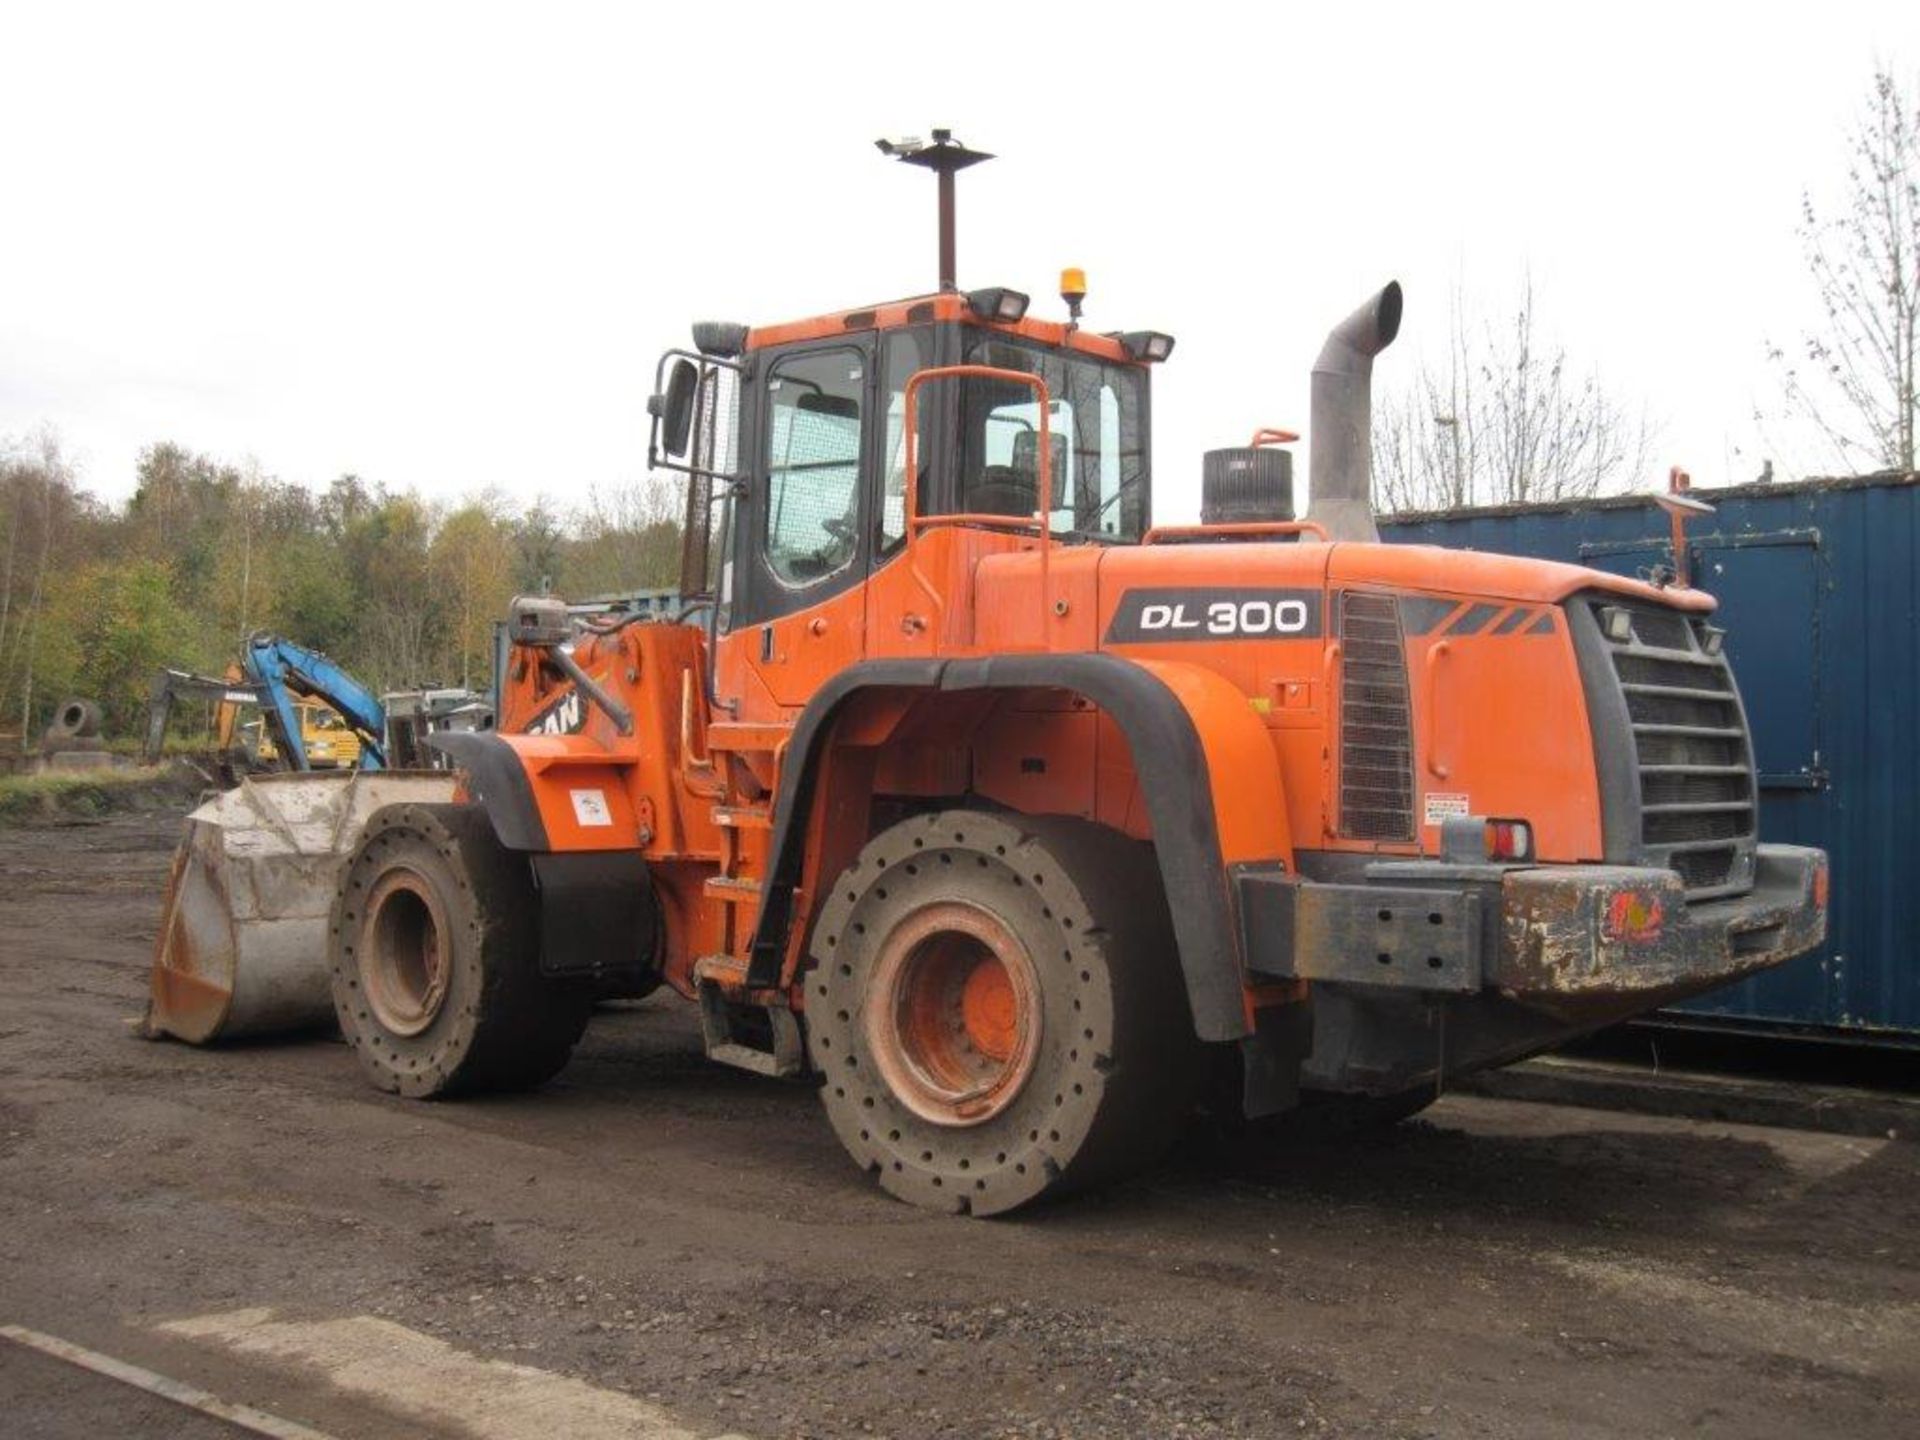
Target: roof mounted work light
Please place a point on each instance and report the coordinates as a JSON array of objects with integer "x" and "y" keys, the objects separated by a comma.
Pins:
[
  {"x": 1149, "y": 346},
  {"x": 997, "y": 303}
]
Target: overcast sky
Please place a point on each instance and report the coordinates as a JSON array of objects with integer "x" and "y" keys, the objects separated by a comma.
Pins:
[{"x": 443, "y": 246}]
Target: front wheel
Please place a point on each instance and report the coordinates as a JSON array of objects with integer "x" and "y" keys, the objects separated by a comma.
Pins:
[
  {"x": 434, "y": 948},
  {"x": 996, "y": 1009}
]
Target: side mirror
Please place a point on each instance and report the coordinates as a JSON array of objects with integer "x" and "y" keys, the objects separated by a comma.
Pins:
[{"x": 674, "y": 409}]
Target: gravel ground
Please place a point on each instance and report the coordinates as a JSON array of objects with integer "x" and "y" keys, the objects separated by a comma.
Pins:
[{"x": 694, "y": 1236}]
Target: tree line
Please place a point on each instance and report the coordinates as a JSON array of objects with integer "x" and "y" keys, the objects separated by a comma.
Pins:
[{"x": 402, "y": 591}]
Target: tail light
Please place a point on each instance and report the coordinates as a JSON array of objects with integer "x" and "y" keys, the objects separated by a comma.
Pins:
[
  {"x": 1469, "y": 840},
  {"x": 1509, "y": 840}
]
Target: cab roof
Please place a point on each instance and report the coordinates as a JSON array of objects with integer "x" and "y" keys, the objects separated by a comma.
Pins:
[{"x": 926, "y": 309}]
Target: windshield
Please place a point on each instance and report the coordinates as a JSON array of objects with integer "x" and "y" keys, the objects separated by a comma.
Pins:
[{"x": 1098, "y": 426}]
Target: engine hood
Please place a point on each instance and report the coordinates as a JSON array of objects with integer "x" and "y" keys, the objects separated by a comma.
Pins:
[
  {"x": 1497, "y": 577},
  {"x": 1394, "y": 567}
]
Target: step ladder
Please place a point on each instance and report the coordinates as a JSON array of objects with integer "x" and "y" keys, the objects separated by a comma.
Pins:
[{"x": 731, "y": 1017}]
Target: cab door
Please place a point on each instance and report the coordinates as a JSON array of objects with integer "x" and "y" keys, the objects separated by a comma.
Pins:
[
  {"x": 896, "y": 593},
  {"x": 804, "y": 537}
]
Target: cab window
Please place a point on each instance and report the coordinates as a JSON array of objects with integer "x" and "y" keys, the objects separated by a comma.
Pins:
[
  {"x": 1097, "y": 441},
  {"x": 813, "y": 463},
  {"x": 906, "y": 351}
]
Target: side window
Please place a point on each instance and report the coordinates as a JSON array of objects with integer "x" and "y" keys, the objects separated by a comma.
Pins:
[
  {"x": 906, "y": 352},
  {"x": 813, "y": 463}
]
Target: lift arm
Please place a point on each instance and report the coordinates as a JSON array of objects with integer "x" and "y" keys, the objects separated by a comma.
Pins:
[
  {"x": 282, "y": 670},
  {"x": 170, "y": 686}
]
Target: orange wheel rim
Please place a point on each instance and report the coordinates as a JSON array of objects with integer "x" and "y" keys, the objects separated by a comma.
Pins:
[
  {"x": 953, "y": 1014},
  {"x": 403, "y": 960}
]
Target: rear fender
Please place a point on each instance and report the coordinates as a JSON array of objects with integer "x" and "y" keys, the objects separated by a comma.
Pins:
[
  {"x": 558, "y": 793},
  {"x": 1207, "y": 774}
]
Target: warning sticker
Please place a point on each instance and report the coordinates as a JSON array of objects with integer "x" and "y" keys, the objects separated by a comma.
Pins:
[
  {"x": 1445, "y": 807},
  {"x": 590, "y": 807}
]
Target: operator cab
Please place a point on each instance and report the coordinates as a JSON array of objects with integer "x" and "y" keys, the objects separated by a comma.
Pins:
[{"x": 795, "y": 437}]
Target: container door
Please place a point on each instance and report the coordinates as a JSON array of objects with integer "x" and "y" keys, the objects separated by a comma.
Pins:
[{"x": 1769, "y": 592}]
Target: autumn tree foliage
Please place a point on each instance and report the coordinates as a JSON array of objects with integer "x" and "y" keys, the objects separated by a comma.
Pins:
[{"x": 402, "y": 590}]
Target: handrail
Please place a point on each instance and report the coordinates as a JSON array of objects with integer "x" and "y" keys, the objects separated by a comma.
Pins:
[
  {"x": 1250, "y": 527},
  {"x": 697, "y": 772},
  {"x": 1042, "y": 519},
  {"x": 1436, "y": 766}
]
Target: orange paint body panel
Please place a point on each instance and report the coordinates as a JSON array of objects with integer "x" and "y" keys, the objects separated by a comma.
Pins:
[
  {"x": 1486, "y": 576},
  {"x": 1499, "y": 719},
  {"x": 1242, "y": 628}
]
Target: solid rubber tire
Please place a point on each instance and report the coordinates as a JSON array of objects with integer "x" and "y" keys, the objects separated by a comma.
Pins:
[
  {"x": 1117, "y": 1062},
  {"x": 502, "y": 1025}
]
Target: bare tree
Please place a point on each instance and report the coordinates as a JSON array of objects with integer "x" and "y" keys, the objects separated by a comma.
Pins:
[
  {"x": 1854, "y": 381},
  {"x": 1502, "y": 419},
  {"x": 53, "y": 472}
]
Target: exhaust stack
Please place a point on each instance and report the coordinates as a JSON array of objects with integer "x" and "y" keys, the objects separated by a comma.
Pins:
[{"x": 1340, "y": 465}]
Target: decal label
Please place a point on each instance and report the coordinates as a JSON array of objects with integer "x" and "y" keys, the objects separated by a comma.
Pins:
[
  {"x": 1441, "y": 806},
  {"x": 1152, "y": 615},
  {"x": 564, "y": 717},
  {"x": 590, "y": 807}
]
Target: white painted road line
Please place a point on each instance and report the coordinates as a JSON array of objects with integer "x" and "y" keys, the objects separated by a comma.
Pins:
[
  {"x": 428, "y": 1381},
  {"x": 180, "y": 1393}
]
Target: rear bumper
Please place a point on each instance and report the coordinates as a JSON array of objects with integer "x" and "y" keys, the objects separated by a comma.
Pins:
[
  {"x": 1588, "y": 944},
  {"x": 1580, "y": 936}
]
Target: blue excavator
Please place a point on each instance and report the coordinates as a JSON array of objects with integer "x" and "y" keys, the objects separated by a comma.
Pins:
[{"x": 278, "y": 675}]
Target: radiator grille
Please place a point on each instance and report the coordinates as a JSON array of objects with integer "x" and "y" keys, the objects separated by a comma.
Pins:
[
  {"x": 1376, "y": 722},
  {"x": 1691, "y": 750}
]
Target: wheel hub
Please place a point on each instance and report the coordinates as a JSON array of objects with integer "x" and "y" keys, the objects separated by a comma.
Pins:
[
  {"x": 403, "y": 953},
  {"x": 953, "y": 1018}
]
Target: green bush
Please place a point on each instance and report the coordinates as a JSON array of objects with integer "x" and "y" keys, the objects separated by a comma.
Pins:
[{"x": 25, "y": 799}]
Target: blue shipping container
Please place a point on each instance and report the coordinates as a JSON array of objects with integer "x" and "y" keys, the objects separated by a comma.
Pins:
[{"x": 1819, "y": 589}]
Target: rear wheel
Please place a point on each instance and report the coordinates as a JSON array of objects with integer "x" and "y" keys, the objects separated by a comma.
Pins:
[
  {"x": 434, "y": 949},
  {"x": 996, "y": 1008}
]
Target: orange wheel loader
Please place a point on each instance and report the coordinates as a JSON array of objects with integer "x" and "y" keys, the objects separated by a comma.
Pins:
[{"x": 1011, "y": 820}]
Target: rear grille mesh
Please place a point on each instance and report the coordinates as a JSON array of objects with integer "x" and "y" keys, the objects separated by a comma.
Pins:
[
  {"x": 1690, "y": 739},
  {"x": 1376, "y": 721}
]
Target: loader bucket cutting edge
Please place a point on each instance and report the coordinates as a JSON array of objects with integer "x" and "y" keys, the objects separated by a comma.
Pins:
[{"x": 242, "y": 948}]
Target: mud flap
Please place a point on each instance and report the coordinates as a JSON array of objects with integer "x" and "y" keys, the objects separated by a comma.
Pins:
[{"x": 599, "y": 919}]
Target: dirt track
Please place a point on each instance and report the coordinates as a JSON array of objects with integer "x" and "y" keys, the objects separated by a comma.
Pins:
[{"x": 695, "y": 1237}]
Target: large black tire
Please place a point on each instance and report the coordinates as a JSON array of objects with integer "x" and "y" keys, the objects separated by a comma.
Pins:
[
  {"x": 964, "y": 1093},
  {"x": 434, "y": 948}
]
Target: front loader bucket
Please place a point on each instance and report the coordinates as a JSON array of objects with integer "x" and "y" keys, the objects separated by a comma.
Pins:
[{"x": 243, "y": 935}]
